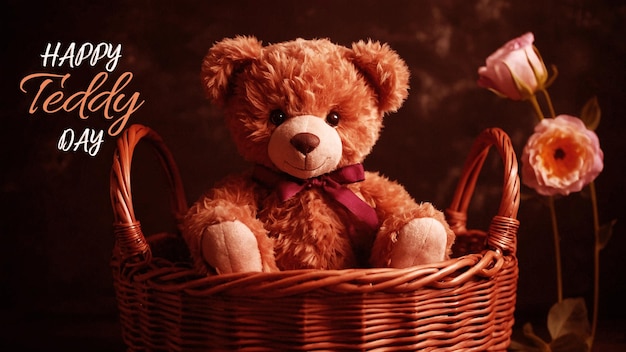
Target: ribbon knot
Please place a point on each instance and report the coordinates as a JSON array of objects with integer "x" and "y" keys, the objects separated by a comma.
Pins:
[
  {"x": 332, "y": 184},
  {"x": 315, "y": 182}
]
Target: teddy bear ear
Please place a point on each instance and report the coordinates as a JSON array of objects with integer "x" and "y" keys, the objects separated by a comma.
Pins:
[
  {"x": 385, "y": 70},
  {"x": 223, "y": 61}
]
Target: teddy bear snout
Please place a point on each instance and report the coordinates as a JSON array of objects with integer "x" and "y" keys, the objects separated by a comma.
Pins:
[
  {"x": 305, "y": 142},
  {"x": 305, "y": 146}
]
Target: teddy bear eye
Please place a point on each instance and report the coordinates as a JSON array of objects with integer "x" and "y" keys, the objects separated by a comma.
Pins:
[
  {"x": 277, "y": 117},
  {"x": 333, "y": 119}
]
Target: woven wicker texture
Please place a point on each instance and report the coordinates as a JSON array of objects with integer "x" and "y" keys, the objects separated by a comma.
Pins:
[{"x": 465, "y": 303}]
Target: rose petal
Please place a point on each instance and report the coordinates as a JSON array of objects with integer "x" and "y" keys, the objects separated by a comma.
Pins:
[
  {"x": 561, "y": 157},
  {"x": 515, "y": 70}
]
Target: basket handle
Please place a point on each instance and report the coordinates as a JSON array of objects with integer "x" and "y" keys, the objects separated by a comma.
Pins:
[
  {"x": 502, "y": 234},
  {"x": 129, "y": 238}
]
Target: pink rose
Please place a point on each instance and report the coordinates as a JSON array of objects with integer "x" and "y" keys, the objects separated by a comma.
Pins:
[
  {"x": 561, "y": 157},
  {"x": 516, "y": 70}
]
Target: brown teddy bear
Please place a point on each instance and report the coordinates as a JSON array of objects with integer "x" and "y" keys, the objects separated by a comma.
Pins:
[{"x": 306, "y": 113}]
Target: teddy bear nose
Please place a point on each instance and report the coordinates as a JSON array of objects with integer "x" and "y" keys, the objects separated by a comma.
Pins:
[{"x": 305, "y": 142}]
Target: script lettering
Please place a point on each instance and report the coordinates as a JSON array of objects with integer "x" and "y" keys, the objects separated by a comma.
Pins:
[{"x": 113, "y": 103}]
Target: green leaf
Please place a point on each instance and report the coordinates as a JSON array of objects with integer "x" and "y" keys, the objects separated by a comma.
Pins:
[
  {"x": 568, "y": 317},
  {"x": 606, "y": 231},
  {"x": 590, "y": 113}
]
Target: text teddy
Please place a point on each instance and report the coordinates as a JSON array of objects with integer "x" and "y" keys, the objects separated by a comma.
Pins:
[{"x": 306, "y": 113}]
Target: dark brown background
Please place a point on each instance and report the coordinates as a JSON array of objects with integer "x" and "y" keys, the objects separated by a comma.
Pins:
[{"x": 55, "y": 223}]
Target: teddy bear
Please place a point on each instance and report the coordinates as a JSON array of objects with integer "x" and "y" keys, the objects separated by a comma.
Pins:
[{"x": 305, "y": 113}]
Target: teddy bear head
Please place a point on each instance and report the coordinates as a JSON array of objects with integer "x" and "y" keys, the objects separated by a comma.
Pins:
[{"x": 304, "y": 107}]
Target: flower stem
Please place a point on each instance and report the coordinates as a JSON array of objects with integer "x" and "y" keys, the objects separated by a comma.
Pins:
[
  {"x": 549, "y": 102},
  {"x": 535, "y": 104},
  {"x": 557, "y": 249},
  {"x": 596, "y": 259}
]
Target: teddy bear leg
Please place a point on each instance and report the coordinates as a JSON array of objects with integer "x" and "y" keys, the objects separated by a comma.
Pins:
[
  {"x": 421, "y": 241},
  {"x": 231, "y": 247}
]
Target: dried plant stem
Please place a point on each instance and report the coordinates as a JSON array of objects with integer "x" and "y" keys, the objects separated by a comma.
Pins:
[
  {"x": 557, "y": 249},
  {"x": 549, "y": 102},
  {"x": 596, "y": 259},
  {"x": 555, "y": 228},
  {"x": 535, "y": 104}
]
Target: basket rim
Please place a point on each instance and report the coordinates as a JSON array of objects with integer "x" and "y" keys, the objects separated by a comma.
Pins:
[{"x": 165, "y": 276}]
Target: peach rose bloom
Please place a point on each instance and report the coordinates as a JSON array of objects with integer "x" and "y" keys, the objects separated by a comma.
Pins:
[
  {"x": 515, "y": 71},
  {"x": 561, "y": 157}
]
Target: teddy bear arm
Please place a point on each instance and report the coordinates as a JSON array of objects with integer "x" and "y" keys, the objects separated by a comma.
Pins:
[
  {"x": 230, "y": 247},
  {"x": 410, "y": 233},
  {"x": 223, "y": 233}
]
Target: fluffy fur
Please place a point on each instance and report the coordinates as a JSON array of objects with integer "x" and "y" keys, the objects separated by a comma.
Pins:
[{"x": 307, "y": 79}]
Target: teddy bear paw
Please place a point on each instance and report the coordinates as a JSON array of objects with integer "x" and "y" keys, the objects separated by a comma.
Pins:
[
  {"x": 421, "y": 241},
  {"x": 231, "y": 247}
]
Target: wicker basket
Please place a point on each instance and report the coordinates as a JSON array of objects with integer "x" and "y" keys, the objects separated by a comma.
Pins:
[{"x": 465, "y": 303}]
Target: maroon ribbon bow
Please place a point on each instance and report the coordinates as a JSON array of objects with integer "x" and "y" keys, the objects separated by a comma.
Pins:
[{"x": 332, "y": 183}]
